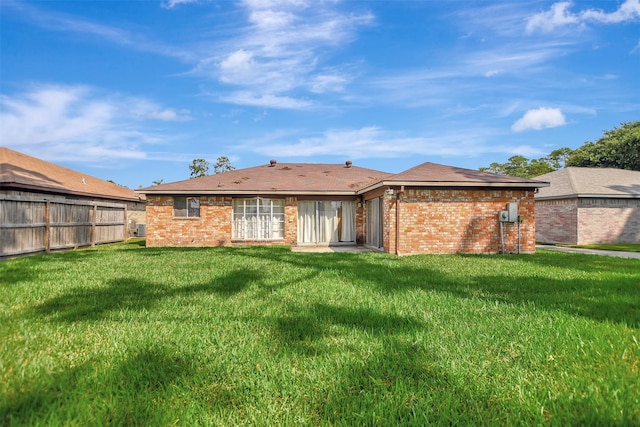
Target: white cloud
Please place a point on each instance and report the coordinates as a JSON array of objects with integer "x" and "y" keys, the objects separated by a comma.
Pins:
[
  {"x": 169, "y": 115},
  {"x": 278, "y": 51},
  {"x": 257, "y": 99},
  {"x": 68, "y": 23},
  {"x": 375, "y": 142},
  {"x": 78, "y": 123},
  {"x": 541, "y": 118},
  {"x": 271, "y": 20},
  {"x": 560, "y": 15},
  {"x": 323, "y": 83},
  {"x": 170, "y": 4}
]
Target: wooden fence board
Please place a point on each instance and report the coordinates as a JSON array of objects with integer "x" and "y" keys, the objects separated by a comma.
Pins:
[{"x": 28, "y": 226}]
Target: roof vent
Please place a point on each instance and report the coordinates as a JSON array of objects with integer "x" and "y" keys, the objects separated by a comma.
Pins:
[
  {"x": 272, "y": 163},
  {"x": 348, "y": 163}
]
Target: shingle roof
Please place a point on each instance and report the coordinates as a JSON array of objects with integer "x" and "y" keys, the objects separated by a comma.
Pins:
[
  {"x": 433, "y": 174},
  {"x": 294, "y": 178},
  {"x": 590, "y": 182},
  {"x": 20, "y": 171},
  {"x": 314, "y": 178}
]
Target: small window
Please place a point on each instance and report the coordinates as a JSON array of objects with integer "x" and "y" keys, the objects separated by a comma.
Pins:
[{"x": 186, "y": 207}]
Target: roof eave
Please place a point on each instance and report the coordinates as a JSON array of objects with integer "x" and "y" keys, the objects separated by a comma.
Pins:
[
  {"x": 588, "y": 196},
  {"x": 65, "y": 191},
  {"x": 452, "y": 184},
  {"x": 245, "y": 192}
]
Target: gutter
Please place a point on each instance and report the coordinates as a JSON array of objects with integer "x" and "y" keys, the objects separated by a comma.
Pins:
[
  {"x": 589, "y": 196},
  {"x": 66, "y": 192},
  {"x": 452, "y": 184},
  {"x": 247, "y": 193}
]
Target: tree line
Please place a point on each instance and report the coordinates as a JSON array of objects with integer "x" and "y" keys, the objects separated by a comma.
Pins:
[{"x": 617, "y": 148}]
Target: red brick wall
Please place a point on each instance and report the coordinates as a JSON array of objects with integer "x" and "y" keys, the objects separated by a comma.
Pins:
[
  {"x": 291, "y": 220},
  {"x": 430, "y": 221},
  {"x": 457, "y": 221},
  {"x": 212, "y": 228}
]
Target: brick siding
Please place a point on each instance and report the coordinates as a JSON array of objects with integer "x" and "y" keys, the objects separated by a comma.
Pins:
[
  {"x": 458, "y": 221},
  {"x": 212, "y": 228},
  {"x": 429, "y": 221},
  {"x": 608, "y": 221},
  {"x": 588, "y": 221},
  {"x": 557, "y": 221}
]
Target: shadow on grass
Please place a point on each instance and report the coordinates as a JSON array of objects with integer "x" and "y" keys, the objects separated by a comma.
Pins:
[
  {"x": 16, "y": 272},
  {"x": 609, "y": 293},
  {"x": 26, "y": 269},
  {"x": 132, "y": 392},
  {"x": 394, "y": 382},
  {"x": 125, "y": 294},
  {"x": 302, "y": 329},
  {"x": 402, "y": 386}
]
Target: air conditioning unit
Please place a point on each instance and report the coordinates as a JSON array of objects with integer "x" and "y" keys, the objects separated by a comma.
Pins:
[{"x": 141, "y": 230}]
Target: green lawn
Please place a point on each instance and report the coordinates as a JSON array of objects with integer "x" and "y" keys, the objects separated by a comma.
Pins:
[
  {"x": 626, "y": 247},
  {"x": 123, "y": 334}
]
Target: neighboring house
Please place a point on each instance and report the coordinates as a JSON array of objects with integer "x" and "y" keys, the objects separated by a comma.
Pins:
[
  {"x": 430, "y": 208},
  {"x": 589, "y": 205},
  {"x": 45, "y": 206}
]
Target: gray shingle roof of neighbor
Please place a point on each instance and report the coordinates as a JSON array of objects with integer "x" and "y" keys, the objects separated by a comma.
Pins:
[
  {"x": 590, "y": 182},
  {"x": 345, "y": 179},
  {"x": 21, "y": 171}
]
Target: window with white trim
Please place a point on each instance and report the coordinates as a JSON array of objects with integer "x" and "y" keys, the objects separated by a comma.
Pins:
[
  {"x": 186, "y": 207},
  {"x": 258, "y": 219}
]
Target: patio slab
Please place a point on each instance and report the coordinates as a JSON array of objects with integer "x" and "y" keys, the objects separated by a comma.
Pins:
[{"x": 325, "y": 248}]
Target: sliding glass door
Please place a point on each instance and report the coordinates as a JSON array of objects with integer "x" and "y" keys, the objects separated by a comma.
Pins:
[
  {"x": 374, "y": 223},
  {"x": 324, "y": 222}
]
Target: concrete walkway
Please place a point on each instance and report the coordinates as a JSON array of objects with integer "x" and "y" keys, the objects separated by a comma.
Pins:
[
  {"x": 619, "y": 254},
  {"x": 325, "y": 248}
]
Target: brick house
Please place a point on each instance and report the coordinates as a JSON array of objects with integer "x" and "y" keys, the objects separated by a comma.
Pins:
[
  {"x": 430, "y": 208},
  {"x": 588, "y": 206}
]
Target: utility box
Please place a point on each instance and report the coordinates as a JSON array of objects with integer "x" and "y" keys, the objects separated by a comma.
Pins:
[
  {"x": 509, "y": 215},
  {"x": 512, "y": 209}
]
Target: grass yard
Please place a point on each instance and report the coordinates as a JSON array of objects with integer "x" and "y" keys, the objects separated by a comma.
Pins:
[
  {"x": 123, "y": 334},
  {"x": 626, "y": 247}
]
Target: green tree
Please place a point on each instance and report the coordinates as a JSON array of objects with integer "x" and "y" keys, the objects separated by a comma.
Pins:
[
  {"x": 520, "y": 166},
  {"x": 158, "y": 182},
  {"x": 558, "y": 158},
  {"x": 199, "y": 167},
  {"x": 223, "y": 164},
  {"x": 618, "y": 148}
]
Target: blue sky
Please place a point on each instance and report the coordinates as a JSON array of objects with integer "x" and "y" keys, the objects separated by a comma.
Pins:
[{"x": 133, "y": 91}]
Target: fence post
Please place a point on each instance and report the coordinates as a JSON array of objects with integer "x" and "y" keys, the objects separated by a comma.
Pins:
[
  {"x": 47, "y": 226},
  {"x": 125, "y": 227},
  {"x": 94, "y": 214}
]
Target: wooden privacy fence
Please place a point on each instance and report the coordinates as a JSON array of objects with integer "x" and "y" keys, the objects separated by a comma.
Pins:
[{"x": 37, "y": 225}]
